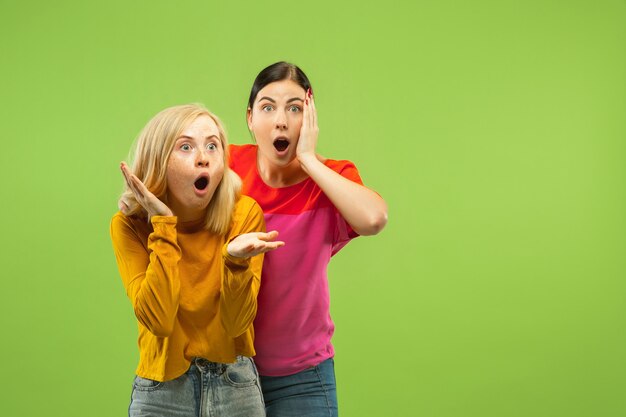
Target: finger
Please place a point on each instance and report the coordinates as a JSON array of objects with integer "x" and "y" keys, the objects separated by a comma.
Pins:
[
  {"x": 139, "y": 186},
  {"x": 269, "y": 236},
  {"x": 313, "y": 112},
  {"x": 142, "y": 187},
  {"x": 125, "y": 169},
  {"x": 305, "y": 110},
  {"x": 255, "y": 249},
  {"x": 125, "y": 173},
  {"x": 133, "y": 189},
  {"x": 253, "y": 236},
  {"x": 307, "y": 113},
  {"x": 270, "y": 247},
  {"x": 131, "y": 180}
]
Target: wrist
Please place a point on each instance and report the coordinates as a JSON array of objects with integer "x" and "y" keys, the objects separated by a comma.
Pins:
[
  {"x": 230, "y": 252},
  {"x": 154, "y": 214},
  {"x": 307, "y": 160},
  {"x": 232, "y": 261},
  {"x": 164, "y": 213}
]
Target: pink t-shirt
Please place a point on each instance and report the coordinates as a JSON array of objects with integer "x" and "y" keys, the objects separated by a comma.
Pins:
[{"x": 293, "y": 326}]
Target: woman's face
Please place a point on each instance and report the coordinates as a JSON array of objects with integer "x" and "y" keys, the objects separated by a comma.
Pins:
[
  {"x": 276, "y": 118},
  {"x": 194, "y": 169}
]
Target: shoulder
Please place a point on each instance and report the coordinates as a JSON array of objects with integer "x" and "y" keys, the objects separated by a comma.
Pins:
[
  {"x": 246, "y": 207},
  {"x": 238, "y": 152},
  {"x": 119, "y": 220},
  {"x": 246, "y": 203},
  {"x": 345, "y": 168},
  {"x": 247, "y": 216},
  {"x": 122, "y": 225},
  {"x": 338, "y": 163}
]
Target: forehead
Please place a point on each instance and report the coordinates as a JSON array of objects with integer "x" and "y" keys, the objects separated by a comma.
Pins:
[
  {"x": 281, "y": 89},
  {"x": 201, "y": 127}
]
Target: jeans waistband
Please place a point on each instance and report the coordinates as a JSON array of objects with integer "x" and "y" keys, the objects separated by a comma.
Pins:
[{"x": 205, "y": 365}]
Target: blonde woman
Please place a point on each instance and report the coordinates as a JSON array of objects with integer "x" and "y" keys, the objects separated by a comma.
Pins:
[{"x": 189, "y": 250}]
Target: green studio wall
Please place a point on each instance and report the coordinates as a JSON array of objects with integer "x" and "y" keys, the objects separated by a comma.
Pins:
[{"x": 495, "y": 130}]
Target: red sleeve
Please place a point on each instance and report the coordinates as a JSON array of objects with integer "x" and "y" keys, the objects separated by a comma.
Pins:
[
  {"x": 344, "y": 232},
  {"x": 346, "y": 169}
]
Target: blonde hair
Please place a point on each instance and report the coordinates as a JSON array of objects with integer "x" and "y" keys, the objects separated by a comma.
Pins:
[{"x": 153, "y": 147}]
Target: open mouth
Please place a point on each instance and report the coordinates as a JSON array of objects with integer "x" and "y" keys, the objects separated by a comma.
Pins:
[
  {"x": 201, "y": 183},
  {"x": 281, "y": 144}
]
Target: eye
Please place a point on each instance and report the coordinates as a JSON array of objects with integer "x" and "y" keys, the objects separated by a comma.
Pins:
[
  {"x": 294, "y": 108},
  {"x": 267, "y": 108},
  {"x": 185, "y": 147},
  {"x": 211, "y": 146}
]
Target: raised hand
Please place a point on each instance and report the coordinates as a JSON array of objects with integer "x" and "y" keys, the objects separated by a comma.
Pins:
[
  {"x": 309, "y": 130},
  {"x": 251, "y": 244},
  {"x": 144, "y": 197}
]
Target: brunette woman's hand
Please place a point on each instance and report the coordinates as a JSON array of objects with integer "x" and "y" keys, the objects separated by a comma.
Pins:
[
  {"x": 309, "y": 130},
  {"x": 144, "y": 197},
  {"x": 251, "y": 244}
]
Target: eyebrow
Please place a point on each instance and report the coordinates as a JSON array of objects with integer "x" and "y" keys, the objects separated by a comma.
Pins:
[
  {"x": 274, "y": 101},
  {"x": 190, "y": 138}
]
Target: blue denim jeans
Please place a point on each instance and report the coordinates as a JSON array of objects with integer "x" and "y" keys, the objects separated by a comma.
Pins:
[
  {"x": 309, "y": 393},
  {"x": 206, "y": 389}
]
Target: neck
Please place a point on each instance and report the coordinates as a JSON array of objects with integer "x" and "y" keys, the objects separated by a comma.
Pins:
[
  {"x": 189, "y": 226},
  {"x": 187, "y": 215},
  {"x": 278, "y": 176}
]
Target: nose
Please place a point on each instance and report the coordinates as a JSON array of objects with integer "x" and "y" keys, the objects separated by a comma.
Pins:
[
  {"x": 281, "y": 120},
  {"x": 202, "y": 158}
]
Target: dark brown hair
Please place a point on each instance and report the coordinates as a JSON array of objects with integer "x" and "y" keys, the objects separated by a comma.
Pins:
[{"x": 278, "y": 72}]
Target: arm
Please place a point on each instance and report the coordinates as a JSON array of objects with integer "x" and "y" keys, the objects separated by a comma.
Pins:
[
  {"x": 150, "y": 276},
  {"x": 364, "y": 210},
  {"x": 243, "y": 259}
]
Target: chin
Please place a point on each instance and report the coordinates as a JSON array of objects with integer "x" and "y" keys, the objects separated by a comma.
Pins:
[
  {"x": 286, "y": 159},
  {"x": 200, "y": 205}
]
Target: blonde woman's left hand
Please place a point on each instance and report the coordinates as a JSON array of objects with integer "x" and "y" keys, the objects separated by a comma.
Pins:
[
  {"x": 251, "y": 244},
  {"x": 309, "y": 130}
]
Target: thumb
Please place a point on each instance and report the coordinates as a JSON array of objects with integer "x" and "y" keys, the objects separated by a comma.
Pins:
[{"x": 124, "y": 208}]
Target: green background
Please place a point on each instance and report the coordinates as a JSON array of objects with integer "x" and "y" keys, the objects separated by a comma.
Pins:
[{"x": 495, "y": 130}]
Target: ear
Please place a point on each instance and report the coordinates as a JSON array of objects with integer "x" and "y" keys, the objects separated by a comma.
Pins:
[{"x": 249, "y": 118}]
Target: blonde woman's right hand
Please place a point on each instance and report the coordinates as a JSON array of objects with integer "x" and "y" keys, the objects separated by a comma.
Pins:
[
  {"x": 253, "y": 243},
  {"x": 144, "y": 197}
]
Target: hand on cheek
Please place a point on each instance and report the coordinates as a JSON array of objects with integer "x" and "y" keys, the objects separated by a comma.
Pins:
[{"x": 309, "y": 130}]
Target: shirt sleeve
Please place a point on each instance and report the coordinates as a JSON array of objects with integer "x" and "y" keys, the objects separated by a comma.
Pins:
[
  {"x": 149, "y": 272},
  {"x": 242, "y": 276},
  {"x": 347, "y": 170},
  {"x": 343, "y": 232}
]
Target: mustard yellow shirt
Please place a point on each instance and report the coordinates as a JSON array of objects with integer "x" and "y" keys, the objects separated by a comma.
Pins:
[{"x": 190, "y": 297}]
